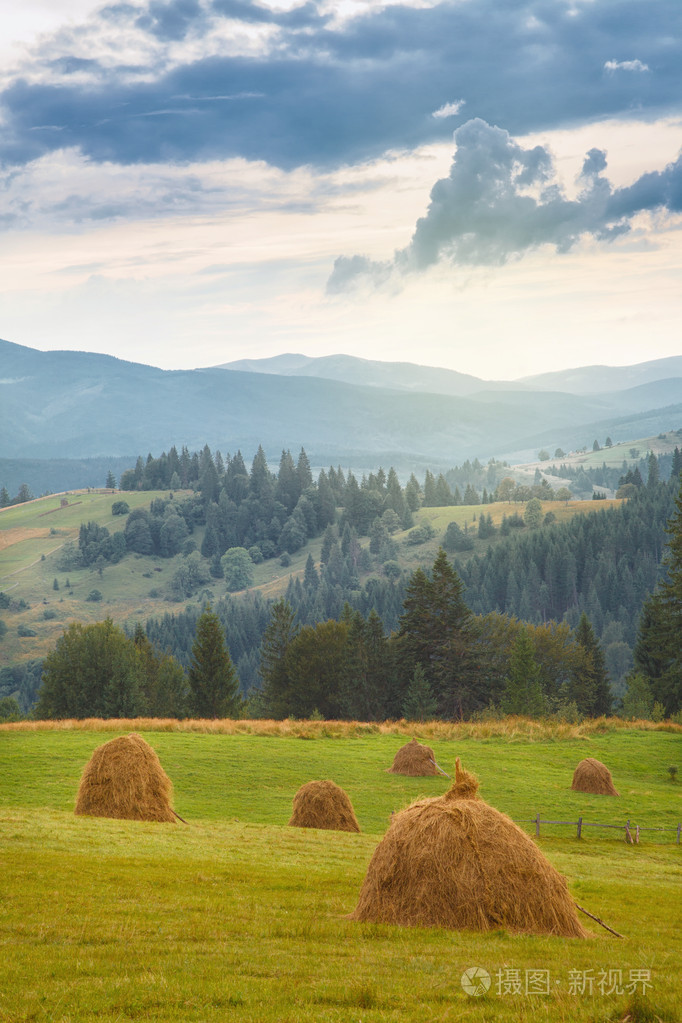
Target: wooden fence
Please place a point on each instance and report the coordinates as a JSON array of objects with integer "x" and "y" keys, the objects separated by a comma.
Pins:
[{"x": 631, "y": 831}]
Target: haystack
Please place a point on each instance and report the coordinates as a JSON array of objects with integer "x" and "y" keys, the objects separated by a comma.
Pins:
[
  {"x": 414, "y": 759},
  {"x": 592, "y": 776},
  {"x": 124, "y": 779},
  {"x": 456, "y": 862},
  {"x": 323, "y": 804}
]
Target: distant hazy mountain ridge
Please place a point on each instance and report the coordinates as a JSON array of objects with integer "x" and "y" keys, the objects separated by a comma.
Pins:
[{"x": 343, "y": 410}]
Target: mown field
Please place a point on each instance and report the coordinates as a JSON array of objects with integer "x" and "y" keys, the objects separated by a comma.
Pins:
[
  {"x": 32, "y": 535},
  {"x": 237, "y": 916}
]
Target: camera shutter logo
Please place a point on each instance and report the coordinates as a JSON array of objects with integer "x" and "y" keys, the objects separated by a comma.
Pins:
[{"x": 476, "y": 981}]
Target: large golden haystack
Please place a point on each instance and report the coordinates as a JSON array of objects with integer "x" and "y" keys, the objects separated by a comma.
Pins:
[
  {"x": 592, "y": 776},
  {"x": 414, "y": 759},
  {"x": 456, "y": 862},
  {"x": 124, "y": 779},
  {"x": 323, "y": 804}
]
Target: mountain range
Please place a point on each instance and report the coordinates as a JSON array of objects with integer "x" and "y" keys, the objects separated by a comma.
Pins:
[{"x": 358, "y": 413}]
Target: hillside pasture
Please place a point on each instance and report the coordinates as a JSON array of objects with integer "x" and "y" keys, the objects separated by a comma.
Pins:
[
  {"x": 237, "y": 916},
  {"x": 33, "y": 534}
]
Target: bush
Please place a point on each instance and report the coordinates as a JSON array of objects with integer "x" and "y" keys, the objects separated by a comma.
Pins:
[
  {"x": 456, "y": 539},
  {"x": 25, "y": 630},
  {"x": 420, "y": 534},
  {"x": 94, "y": 596},
  {"x": 49, "y": 613},
  {"x": 120, "y": 508},
  {"x": 9, "y": 709}
]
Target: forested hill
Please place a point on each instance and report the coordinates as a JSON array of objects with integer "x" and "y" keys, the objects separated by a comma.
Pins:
[
  {"x": 521, "y": 566},
  {"x": 604, "y": 563}
]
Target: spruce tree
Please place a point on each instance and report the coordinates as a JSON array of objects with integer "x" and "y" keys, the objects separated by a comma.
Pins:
[
  {"x": 214, "y": 686},
  {"x": 590, "y": 686},
  {"x": 419, "y": 703},
  {"x": 277, "y": 638},
  {"x": 523, "y": 689},
  {"x": 436, "y": 629},
  {"x": 658, "y": 649}
]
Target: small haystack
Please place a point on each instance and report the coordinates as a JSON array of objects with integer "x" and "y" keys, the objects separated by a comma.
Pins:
[
  {"x": 124, "y": 779},
  {"x": 456, "y": 862},
  {"x": 323, "y": 804},
  {"x": 414, "y": 759},
  {"x": 592, "y": 776}
]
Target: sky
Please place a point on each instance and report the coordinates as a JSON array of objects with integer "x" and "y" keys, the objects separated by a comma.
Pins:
[{"x": 490, "y": 186}]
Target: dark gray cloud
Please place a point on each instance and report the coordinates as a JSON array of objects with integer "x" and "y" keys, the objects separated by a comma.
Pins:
[
  {"x": 326, "y": 95},
  {"x": 500, "y": 200}
]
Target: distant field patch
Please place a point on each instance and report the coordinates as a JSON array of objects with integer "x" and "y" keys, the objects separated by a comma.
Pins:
[{"x": 10, "y": 537}]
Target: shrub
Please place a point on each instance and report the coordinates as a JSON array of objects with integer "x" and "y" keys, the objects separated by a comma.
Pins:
[
  {"x": 120, "y": 508},
  {"x": 9, "y": 709},
  {"x": 94, "y": 596},
  {"x": 25, "y": 630}
]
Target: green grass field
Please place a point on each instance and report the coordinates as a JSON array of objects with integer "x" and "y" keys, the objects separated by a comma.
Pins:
[{"x": 237, "y": 916}]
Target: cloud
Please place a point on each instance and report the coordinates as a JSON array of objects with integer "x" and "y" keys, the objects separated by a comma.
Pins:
[
  {"x": 449, "y": 109},
  {"x": 625, "y": 65},
  {"x": 327, "y": 92},
  {"x": 501, "y": 200}
]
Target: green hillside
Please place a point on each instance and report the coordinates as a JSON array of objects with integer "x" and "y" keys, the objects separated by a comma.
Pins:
[{"x": 33, "y": 534}]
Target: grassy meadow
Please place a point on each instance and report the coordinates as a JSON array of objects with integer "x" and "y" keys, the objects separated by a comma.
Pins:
[{"x": 237, "y": 916}]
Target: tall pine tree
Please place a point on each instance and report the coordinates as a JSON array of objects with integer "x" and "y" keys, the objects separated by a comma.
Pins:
[
  {"x": 590, "y": 684},
  {"x": 658, "y": 651},
  {"x": 277, "y": 638},
  {"x": 523, "y": 690},
  {"x": 436, "y": 631},
  {"x": 213, "y": 682}
]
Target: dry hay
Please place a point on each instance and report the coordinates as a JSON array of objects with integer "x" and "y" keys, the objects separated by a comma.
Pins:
[
  {"x": 592, "y": 776},
  {"x": 124, "y": 779},
  {"x": 456, "y": 862},
  {"x": 323, "y": 804},
  {"x": 414, "y": 759}
]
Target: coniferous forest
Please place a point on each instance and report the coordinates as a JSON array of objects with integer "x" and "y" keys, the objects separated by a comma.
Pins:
[{"x": 543, "y": 620}]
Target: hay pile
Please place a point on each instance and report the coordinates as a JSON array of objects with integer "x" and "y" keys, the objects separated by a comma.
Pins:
[
  {"x": 456, "y": 862},
  {"x": 414, "y": 759},
  {"x": 124, "y": 779},
  {"x": 592, "y": 776},
  {"x": 323, "y": 804}
]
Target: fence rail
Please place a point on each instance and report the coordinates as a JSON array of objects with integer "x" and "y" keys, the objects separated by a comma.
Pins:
[{"x": 631, "y": 831}]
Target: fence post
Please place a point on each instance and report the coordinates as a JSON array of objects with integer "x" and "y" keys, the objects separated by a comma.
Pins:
[
  {"x": 628, "y": 836},
  {"x": 580, "y": 825},
  {"x": 537, "y": 825},
  {"x": 679, "y": 828}
]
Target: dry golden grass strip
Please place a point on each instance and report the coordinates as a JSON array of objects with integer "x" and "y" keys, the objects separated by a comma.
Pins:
[
  {"x": 458, "y": 863},
  {"x": 415, "y": 760},
  {"x": 323, "y": 804},
  {"x": 592, "y": 776},
  {"x": 513, "y": 729},
  {"x": 124, "y": 779}
]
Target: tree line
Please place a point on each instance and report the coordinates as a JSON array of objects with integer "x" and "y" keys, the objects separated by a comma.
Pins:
[{"x": 441, "y": 660}]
